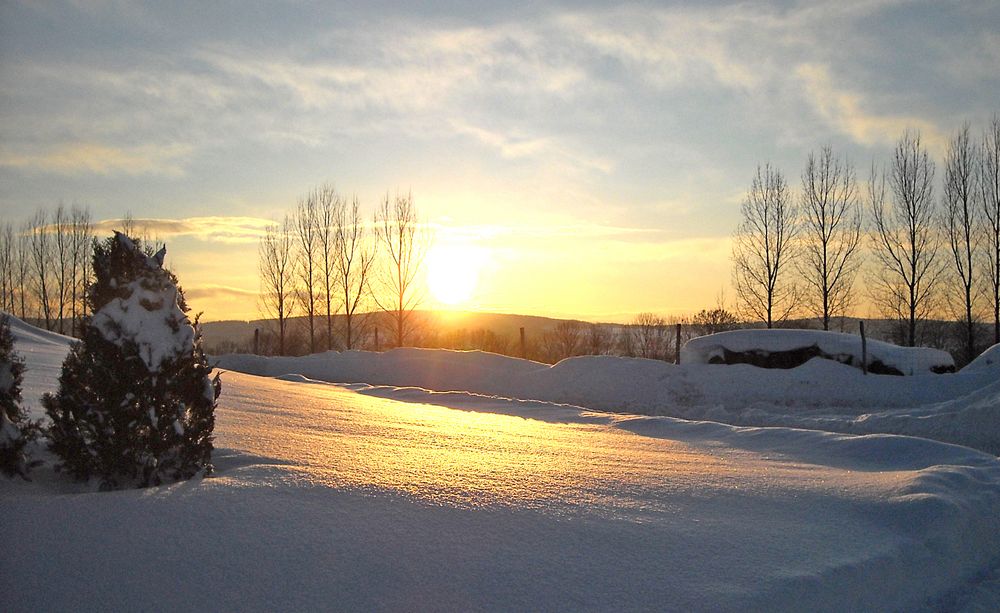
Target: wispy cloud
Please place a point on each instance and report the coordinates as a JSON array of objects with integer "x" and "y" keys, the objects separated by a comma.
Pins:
[
  {"x": 847, "y": 112},
  {"x": 601, "y": 112},
  {"x": 78, "y": 158},
  {"x": 670, "y": 48},
  {"x": 215, "y": 292},
  {"x": 501, "y": 234},
  {"x": 539, "y": 148},
  {"x": 214, "y": 229}
]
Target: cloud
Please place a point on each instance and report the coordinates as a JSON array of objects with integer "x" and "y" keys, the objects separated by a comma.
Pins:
[
  {"x": 670, "y": 48},
  {"x": 508, "y": 146},
  {"x": 593, "y": 99},
  {"x": 95, "y": 158},
  {"x": 230, "y": 230},
  {"x": 502, "y": 234},
  {"x": 846, "y": 111},
  {"x": 215, "y": 292},
  {"x": 546, "y": 148}
]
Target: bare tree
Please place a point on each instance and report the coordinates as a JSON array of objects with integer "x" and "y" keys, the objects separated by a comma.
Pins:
[
  {"x": 565, "y": 340},
  {"x": 277, "y": 276},
  {"x": 649, "y": 336},
  {"x": 405, "y": 245},
  {"x": 329, "y": 205},
  {"x": 128, "y": 225},
  {"x": 62, "y": 252},
  {"x": 905, "y": 237},
  {"x": 989, "y": 182},
  {"x": 352, "y": 264},
  {"x": 8, "y": 250},
  {"x": 762, "y": 249},
  {"x": 80, "y": 263},
  {"x": 41, "y": 263},
  {"x": 831, "y": 233},
  {"x": 600, "y": 339},
  {"x": 711, "y": 321},
  {"x": 308, "y": 248},
  {"x": 962, "y": 224},
  {"x": 488, "y": 340},
  {"x": 22, "y": 267}
]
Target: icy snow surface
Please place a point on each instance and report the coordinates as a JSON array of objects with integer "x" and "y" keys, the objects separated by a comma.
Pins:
[{"x": 342, "y": 497}]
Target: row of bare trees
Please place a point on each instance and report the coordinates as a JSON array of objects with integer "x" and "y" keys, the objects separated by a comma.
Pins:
[
  {"x": 327, "y": 263},
  {"x": 801, "y": 254},
  {"x": 647, "y": 335},
  {"x": 45, "y": 267}
]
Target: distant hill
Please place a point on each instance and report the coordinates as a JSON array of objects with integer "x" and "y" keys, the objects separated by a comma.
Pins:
[
  {"x": 232, "y": 335},
  {"x": 499, "y": 332}
]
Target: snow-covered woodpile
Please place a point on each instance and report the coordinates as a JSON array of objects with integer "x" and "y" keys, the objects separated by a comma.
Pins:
[{"x": 791, "y": 348}]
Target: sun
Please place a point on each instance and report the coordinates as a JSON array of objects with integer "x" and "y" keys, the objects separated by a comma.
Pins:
[{"x": 453, "y": 273}]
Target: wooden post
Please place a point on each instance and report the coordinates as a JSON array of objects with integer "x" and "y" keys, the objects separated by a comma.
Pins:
[
  {"x": 677, "y": 346},
  {"x": 376, "y": 341},
  {"x": 524, "y": 348},
  {"x": 864, "y": 348},
  {"x": 256, "y": 341}
]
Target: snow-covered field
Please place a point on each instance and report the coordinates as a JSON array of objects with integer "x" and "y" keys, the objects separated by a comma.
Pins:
[
  {"x": 371, "y": 497},
  {"x": 961, "y": 408}
]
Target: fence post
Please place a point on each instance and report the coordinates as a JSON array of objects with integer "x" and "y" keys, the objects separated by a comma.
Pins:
[
  {"x": 524, "y": 348},
  {"x": 864, "y": 348},
  {"x": 677, "y": 346},
  {"x": 256, "y": 341}
]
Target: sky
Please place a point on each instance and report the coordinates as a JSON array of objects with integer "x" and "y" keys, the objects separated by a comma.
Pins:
[{"x": 588, "y": 157}]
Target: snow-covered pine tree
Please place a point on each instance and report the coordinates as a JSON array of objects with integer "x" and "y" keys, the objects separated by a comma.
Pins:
[
  {"x": 15, "y": 429},
  {"x": 136, "y": 400}
]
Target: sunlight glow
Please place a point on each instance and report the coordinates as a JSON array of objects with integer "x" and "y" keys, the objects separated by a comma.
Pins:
[{"x": 453, "y": 273}]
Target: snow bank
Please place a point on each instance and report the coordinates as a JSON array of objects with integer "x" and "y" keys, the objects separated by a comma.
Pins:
[
  {"x": 821, "y": 394},
  {"x": 988, "y": 360},
  {"x": 28, "y": 337},
  {"x": 429, "y": 368},
  {"x": 323, "y": 495},
  {"x": 43, "y": 353},
  {"x": 327, "y": 496},
  {"x": 844, "y": 348}
]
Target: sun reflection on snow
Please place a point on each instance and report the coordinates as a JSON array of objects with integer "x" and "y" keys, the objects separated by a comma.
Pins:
[{"x": 446, "y": 456}]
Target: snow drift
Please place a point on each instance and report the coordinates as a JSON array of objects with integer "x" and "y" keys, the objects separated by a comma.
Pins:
[
  {"x": 325, "y": 495},
  {"x": 962, "y": 408}
]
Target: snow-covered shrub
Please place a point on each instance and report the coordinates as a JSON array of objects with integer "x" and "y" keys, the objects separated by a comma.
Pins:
[
  {"x": 15, "y": 429},
  {"x": 136, "y": 400}
]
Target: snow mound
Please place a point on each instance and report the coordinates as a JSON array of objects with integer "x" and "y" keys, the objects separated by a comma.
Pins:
[
  {"x": 438, "y": 369},
  {"x": 43, "y": 353},
  {"x": 27, "y": 334},
  {"x": 821, "y": 394},
  {"x": 570, "y": 510},
  {"x": 988, "y": 360},
  {"x": 789, "y": 348}
]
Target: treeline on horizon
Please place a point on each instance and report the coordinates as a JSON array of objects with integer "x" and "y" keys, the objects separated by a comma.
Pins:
[
  {"x": 332, "y": 279},
  {"x": 922, "y": 255},
  {"x": 796, "y": 256},
  {"x": 548, "y": 340}
]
